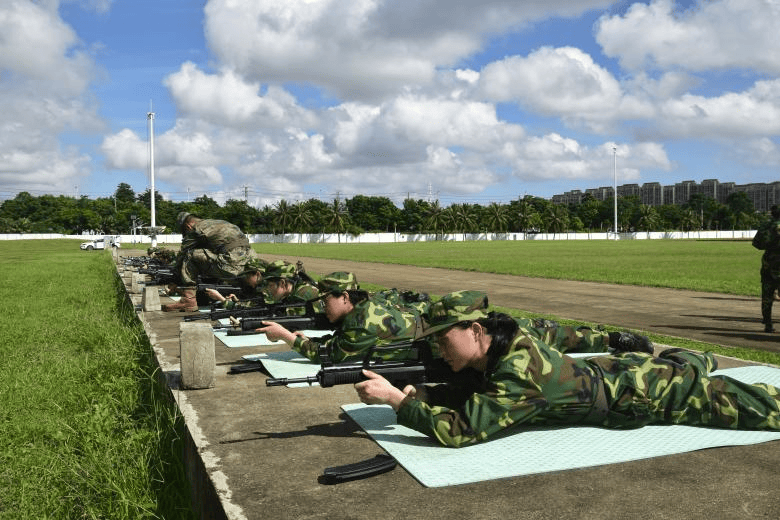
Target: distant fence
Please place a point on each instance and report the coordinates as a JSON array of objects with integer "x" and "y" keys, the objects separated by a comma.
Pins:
[{"x": 389, "y": 238}]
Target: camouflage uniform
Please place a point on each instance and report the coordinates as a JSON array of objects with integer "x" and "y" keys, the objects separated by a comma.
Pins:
[
  {"x": 767, "y": 238},
  {"x": 528, "y": 382},
  {"x": 302, "y": 291},
  {"x": 374, "y": 321},
  {"x": 213, "y": 248}
]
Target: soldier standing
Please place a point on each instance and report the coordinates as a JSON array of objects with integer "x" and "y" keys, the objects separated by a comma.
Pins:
[{"x": 767, "y": 238}]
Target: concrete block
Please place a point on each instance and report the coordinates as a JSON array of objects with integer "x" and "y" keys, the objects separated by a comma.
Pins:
[
  {"x": 151, "y": 299},
  {"x": 196, "y": 350},
  {"x": 136, "y": 286}
]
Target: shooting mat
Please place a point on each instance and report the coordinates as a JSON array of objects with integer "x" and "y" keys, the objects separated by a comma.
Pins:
[
  {"x": 286, "y": 364},
  {"x": 541, "y": 450},
  {"x": 257, "y": 340}
]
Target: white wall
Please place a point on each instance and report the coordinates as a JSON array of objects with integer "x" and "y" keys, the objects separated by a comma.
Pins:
[{"x": 389, "y": 238}]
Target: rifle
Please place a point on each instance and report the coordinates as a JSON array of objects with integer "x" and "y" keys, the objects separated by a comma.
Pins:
[
  {"x": 267, "y": 312},
  {"x": 162, "y": 276},
  {"x": 314, "y": 321},
  {"x": 420, "y": 368},
  {"x": 221, "y": 288}
]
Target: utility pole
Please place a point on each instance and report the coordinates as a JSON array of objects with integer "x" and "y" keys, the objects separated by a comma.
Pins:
[
  {"x": 614, "y": 153},
  {"x": 150, "y": 117}
]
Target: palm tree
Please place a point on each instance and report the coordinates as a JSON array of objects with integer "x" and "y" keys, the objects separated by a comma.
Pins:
[
  {"x": 497, "y": 217},
  {"x": 300, "y": 219},
  {"x": 464, "y": 218},
  {"x": 436, "y": 218},
  {"x": 648, "y": 218},
  {"x": 337, "y": 217},
  {"x": 689, "y": 220},
  {"x": 527, "y": 216},
  {"x": 283, "y": 215},
  {"x": 556, "y": 219}
]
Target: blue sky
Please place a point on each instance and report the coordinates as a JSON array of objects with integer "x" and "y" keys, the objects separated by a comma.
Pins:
[{"x": 295, "y": 99}]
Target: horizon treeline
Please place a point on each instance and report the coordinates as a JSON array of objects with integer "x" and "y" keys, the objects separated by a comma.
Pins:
[{"x": 127, "y": 212}]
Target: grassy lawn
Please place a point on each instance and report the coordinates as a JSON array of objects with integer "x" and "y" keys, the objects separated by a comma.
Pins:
[
  {"x": 85, "y": 430},
  {"x": 702, "y": 265}
]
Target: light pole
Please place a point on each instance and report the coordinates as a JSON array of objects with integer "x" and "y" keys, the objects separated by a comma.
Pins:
[
  {"x": 614, "y": 154},
  {"x": 150, "y": 117}
]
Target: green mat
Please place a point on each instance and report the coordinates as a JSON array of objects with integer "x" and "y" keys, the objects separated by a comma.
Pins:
[{"x": 541, "y": 450}]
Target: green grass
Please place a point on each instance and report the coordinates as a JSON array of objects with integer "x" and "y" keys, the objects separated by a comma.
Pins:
[
  {"x": 85, "y": 429},
  {"x": 701, "y": 265}
]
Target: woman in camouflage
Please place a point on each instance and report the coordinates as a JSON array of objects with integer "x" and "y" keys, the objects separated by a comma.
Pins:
[
  {"x": 524, "y": 381},
  {"x": 361, "y": 321}
]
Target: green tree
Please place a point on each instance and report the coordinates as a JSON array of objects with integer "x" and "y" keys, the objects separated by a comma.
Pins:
[
  {"x": 372, "y": 213},
  {"x": 689, "y": 220},
  {"x": 464, "y": 218},
  {"x": 338, "y": 218},
  {"x": 497, "y": 218},
  {"x": 555, "y": 219},
  {"x": 435, "y": 219},
  {"x": 300, "y": 219},
  {"x": 124, "y": 195},
  {"x": 413, "y": 215},
  {"x": 283, "y": 215},
  {"x": 528, "y": 217},
  {"x": 648, "y": 219}
]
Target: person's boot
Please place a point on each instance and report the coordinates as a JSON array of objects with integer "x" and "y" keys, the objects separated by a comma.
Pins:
[
  {"x": 630, "y": 342},
  {"x": 768, "y": 327},
  {"x": 187, "y": 303}
]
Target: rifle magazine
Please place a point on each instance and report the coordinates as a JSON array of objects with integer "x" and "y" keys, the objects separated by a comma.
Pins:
[{"x": 381, "y": 463}]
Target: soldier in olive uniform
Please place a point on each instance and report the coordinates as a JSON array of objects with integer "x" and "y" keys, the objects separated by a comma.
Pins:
[
  {"x": 283, "y": 283},
  {"x": 767, "y": 238},
  {"x": 360, "y": 321},
  {"x": 211, "y": 248},
  {"x": 524, "y": 381}
]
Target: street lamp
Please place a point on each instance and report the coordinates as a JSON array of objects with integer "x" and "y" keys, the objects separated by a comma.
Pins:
[{"x": 614, "y": 153}]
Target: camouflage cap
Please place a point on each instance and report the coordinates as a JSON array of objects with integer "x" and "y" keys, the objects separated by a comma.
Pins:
[
  {"x": 180, "y": 218},
  {"x": 254, "y": 265},
  {"x": 453, "y": 308},
  {"x": 339, "y": 281},
  {"x": 279, "y": 269}
]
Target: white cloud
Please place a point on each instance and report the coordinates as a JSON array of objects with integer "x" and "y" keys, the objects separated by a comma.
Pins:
[
  {"x": 362, "y": 49},
  {"x": 754, "y": 112},
  {"x": 227, "y": 99},
  {"x": 555, "y": 157},
  {"x": 719, "y": 34},
  {"x": 43, "y": 93}
]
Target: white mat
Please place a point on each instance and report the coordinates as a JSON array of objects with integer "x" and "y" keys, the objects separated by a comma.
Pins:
[
  {"x": 257, "y": 340},
  {"x": 287, "y": 364},
  {"x": 542, "y": 450}
]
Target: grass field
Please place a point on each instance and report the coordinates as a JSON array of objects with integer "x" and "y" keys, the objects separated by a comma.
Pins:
[
  {"x": 85, "y": 430},
  {"x": 702, "y": 265}
]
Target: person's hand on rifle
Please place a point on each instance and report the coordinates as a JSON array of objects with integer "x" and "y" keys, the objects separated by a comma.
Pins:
[
  {"x": 378, "y": 390},
  {"x": 216, "y": 295},
  {"x": 275, "y": 332}
]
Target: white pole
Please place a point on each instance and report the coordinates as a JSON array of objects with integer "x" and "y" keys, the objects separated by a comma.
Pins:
[
  {"x": 614, "y": 153},
  {"x": 150, "y": 117}
]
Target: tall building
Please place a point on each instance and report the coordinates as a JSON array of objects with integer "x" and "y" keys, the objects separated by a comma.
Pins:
[{"x": 763, "y": 195}]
